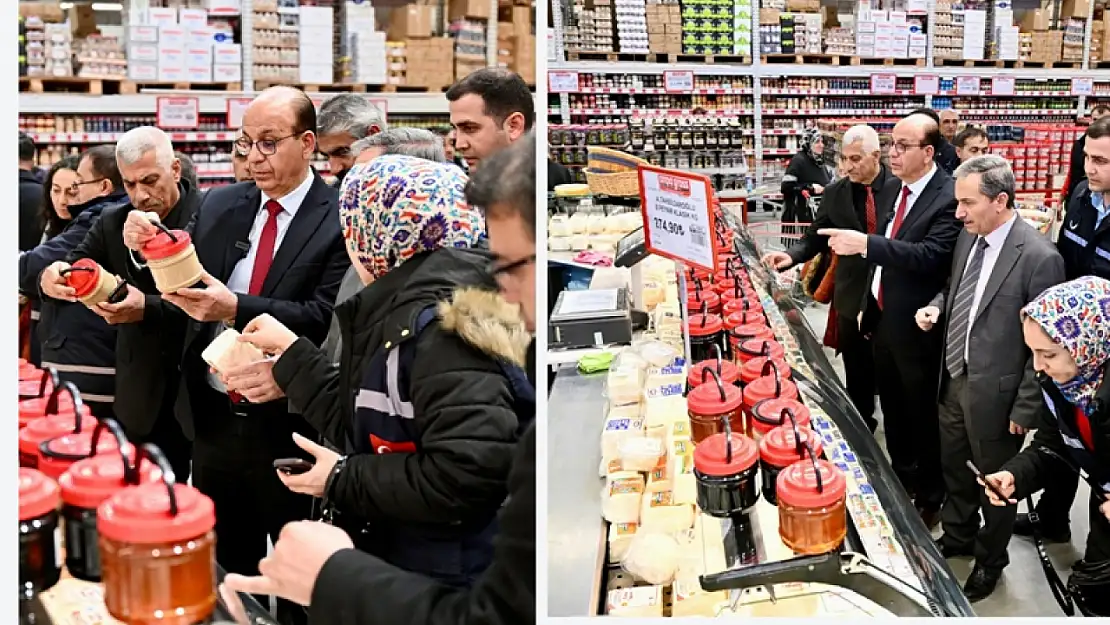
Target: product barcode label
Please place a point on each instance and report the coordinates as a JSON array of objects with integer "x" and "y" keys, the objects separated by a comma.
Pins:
[{"x": 699, "y": 236}]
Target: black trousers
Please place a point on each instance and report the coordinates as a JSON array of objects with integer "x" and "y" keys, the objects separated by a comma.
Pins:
[
  {"x": 1098, "y": 538},
  {"x": 989, "y": 451},
  {"x": 166, "y": 434},
  {"x": 859, "y": 367},
  {"x": 233, "y": 456},
  {"x": 1054, "y": 506}
]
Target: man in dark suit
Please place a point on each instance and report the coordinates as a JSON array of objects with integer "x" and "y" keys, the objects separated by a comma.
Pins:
[
  {"x": 147, "y": 351},
  {"x": 989, "y": 397},
  {"x": 849, "y": 203},
  {"x": 909, "y": 262},
  {"x": 1076, "y": 169},
  {"x": 272, "y": 246}
]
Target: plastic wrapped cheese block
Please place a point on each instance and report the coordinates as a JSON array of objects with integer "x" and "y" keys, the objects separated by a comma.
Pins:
[
  {"x": 558, "y": 244},
  {"x": 579, "y": 242},
  {"x": 624, "y": 385},
  {"x": 577, "y": 223},
  {"x": 680, "y": 467},
  {"x": 652, "y": 557},
  {"x": 620, "y": 537},
  {"x": 595, "y": 224},
  {"x": 227, "y": 352},
  {"x": 609, "y": 467},
  {"x": 658, "y": 480},
  {"x": 637, "y": 602},
  {"x": 558, "y": 226},
  {"x": 619, "y": 428},
  {"x": 660, "y": 513},
  {"x": 613, "y": 224},
  {"x": 639, "y": 453},
  {"x": 689, "y": 600},
  {"x": 665, "y": 410},
  {"x": 620, "y": 502}
]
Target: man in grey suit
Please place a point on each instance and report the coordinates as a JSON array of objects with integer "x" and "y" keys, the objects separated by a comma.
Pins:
[{"x": 988, "y": 395}]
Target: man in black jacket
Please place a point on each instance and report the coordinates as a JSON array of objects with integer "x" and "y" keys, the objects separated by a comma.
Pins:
[
  {"x": 848, "y": 203},
  {"x": 1077, "y": 172},
  {"x": 910, "y": 262},
  {"x": 30, "y": 196},
  {"x": 316, "y": 565},
  {"x": 147, "y": 353}
]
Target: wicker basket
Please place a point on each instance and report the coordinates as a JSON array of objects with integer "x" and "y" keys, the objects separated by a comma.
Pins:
[
  {"x": 612, "y": 161},
  {"x": 621, "y": 184}
]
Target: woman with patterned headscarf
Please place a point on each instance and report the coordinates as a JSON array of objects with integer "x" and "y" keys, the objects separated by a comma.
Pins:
[
  {"x": 806, "y": 173},
  {"x": 429, "y": 386}
]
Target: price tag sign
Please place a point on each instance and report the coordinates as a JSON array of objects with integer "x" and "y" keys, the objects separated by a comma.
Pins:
[
  {"x": 926, "y": 85},
  {"x": 678, "y": 219},
  {"x": 1002, "y": 85},
  {"x": 174, "y": 112},
  {"x": 967, "y": 85},
  {"x": 678, "y": 81},
  {"x": 1082, "y": 86},
  {"x": 562, "y": 82},
  {"x": 236, "y": 107},
  {"x": 883, "y": 84}
]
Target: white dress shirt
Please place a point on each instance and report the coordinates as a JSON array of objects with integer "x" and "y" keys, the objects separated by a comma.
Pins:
[
  {"x": 995, "y": 241},
  {"x": 915, "y": 192}
]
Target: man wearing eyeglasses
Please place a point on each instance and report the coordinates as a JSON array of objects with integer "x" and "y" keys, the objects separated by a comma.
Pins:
[
  {"x": 910, "y": 256},
  {"x": 273, "y": 247}
]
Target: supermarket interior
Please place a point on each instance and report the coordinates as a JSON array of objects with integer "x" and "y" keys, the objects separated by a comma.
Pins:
[{"x": 735, "y": 93}]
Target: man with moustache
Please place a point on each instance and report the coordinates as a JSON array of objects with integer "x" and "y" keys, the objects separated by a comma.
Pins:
[
  {"x": 343, "y": 120},
  {"x": 910, "y": 256}
]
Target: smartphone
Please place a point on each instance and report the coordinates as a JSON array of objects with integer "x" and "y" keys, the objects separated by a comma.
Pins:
[
  {"x": 292, "y": 466},
  {"x": 990, "y": 484}
]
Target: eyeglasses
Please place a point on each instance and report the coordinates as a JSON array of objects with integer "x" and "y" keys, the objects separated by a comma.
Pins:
[
  {"x": 901, "y": 148},
  {"x": 266, "y": 147},
  {"x": 499, "y": 271},
  {"x": 76, "y": 186}
]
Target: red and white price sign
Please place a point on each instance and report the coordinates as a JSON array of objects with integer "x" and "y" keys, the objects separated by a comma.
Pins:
[
  {"x": 678, "y": 218},
  {"x": 1002, "y": 85},
  {"x": 883, "y": 84},
  {"x": 678, "y": 81},
  {"x": 967, "y": 85},
  {"x": 1082, "y": 86},
  {"x": 175, "y": 112},
  {"x": 926, "y": 85},
  {"x": 236, "y": 108},
  {"x": 560, "y": 81}
]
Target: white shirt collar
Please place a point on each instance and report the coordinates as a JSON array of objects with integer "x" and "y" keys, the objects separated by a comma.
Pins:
[
  {"x": 293, "y": 200},
  {"x": 919, "y": 186},
  {"x": 996, "y": 238}
]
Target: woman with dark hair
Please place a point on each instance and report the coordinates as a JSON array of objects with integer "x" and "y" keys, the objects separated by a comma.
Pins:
[{"x": 806, "y": 174}]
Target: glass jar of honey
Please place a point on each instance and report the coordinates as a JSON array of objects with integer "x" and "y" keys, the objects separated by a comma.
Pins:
[
  {"x": 725, "y": 466},
  {"x": 705, "y": 331},
  {"x": 54, "y": 422},
  {"x": 40, "y": 554},
  {"x": 812, "y": 515},
  {"x": 727, "y": 371},
  {"x": 709, "y": 403},
  {"x": 780, "y": 448},
  {"x": 771, "y": 413},
  {"x": 158, "y": 551},
  {"x": 762, "y": 346}
]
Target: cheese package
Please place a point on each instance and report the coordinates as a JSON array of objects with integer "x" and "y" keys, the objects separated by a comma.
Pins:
[
  {"x": 659, "y": 512},
  {"x": 609, "y": 467},
  {"x": 640, "y": 602},
  {"x": 619, "y": 428},
  {"x": 689, "y": 600},
  {"x": 713, "y": 545},
  {"x": 680, "y": 431},
  {"x": 662, "y": 376},
  {"x": 624, "y": 385},
  {"x": 665, "y": 410},
  {"x": 620, "y": 537},
  {"x": 658, "y": 479},
  {"x": 675, "y": 450},
  {"x": 621, "y": 499},
  {"x": 684, "y": 483},
  {"x": 659, "y": 433},
  {"x": 228, "y": 352},
  {"x": 691, "y": 562},
  {"x": 652, "y": 557}
]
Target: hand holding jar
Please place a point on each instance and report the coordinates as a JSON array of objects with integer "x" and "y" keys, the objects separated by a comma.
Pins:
[
  {"x": 130, "y": 310},
  {"x": 139, "y": 229},
  {"x": 54, "y": 284},
  {"x": 315, "y": 480},
  {"x": 269, "y": 335},
  {"x": 212, "y": 303}
]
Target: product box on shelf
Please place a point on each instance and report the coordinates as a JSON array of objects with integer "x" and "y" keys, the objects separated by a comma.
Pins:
[
  {"x": 193, "y": 18},
  {"x": 157, "y": 16},
  {"x": 468, "y": 9},
  {"x": 142, "y": 34},
  {"x": 227, "y": 73},
  {"x": 227, "y": 53},
  {"x": 409, "y": 22}
]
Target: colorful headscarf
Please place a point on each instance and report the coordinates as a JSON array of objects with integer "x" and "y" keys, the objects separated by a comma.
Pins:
[
  {"x": 1076, "y": 315},
  {"x": 396, "y": 207}
]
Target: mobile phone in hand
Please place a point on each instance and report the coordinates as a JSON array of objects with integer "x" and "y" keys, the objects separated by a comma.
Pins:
[{"x": 293, "y": 466}]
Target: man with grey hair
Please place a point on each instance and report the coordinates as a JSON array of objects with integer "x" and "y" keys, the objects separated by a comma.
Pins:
[
  {"x": 148, "y": 353},
  {"x": 989, "y": 396},
  {"x": 343, "y": 120},
  {"x": 848, "y": 203},
  {"x": 406, "y": 141}
]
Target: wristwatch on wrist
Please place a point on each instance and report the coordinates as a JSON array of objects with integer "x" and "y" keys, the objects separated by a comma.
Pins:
[{"x": 329, "y": 486}]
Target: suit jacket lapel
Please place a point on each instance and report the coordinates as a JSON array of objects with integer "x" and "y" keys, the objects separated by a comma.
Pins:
[
  {"x": 885, "y": 204},
  {"x": 1007, "y": 259},
  {"x": 959, "y": 263},
  {"x": 922, "y": 204},
  {"x": 845, "y": 204},
  {"x": 312, "y": 212},
  {"x": 235, "y": 225}
]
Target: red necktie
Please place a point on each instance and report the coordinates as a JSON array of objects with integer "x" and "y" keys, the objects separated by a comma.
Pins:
[
  {"x": 870, "y": 210},
  {"x": 263, "y": 258},
  {"x": 899, "y": 215}
]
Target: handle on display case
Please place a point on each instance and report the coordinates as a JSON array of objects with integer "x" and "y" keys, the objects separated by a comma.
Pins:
[
  {"x": 767, "y": 367},
  {"x": 78, "y": 404},
  {"x": 155, "y": 455}
]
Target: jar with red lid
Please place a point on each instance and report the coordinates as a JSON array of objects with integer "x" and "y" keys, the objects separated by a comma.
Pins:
[
  {"x": 744, "y": 317},
  {"x": 93, "y": 285},
  {"x": 749, "y": 349},
  {"x": 39, "y": 386},
  {"x": 705, "y": 330},
  {"x": 57, "y": 455},
  {"x": 709, "y": 403},
  {"x": 40, "y": 555},
  {"x": 745, "y": 332},
  {"x": 726, "y": 370},
  {"x": 780, "y": 448},
  {"x": 752, "y": 370},
  {"x": 770, "y": 385},
  {"x": 54, "y": 422},
  {"x": 725, "y": 466},
  {"x": 28, "y": 371},
  {"x": 730, "y": 304},
  {"x": 698, "y": 274},
  {"x": 771, "y": 413},
  {"x": 158, "y": 551},
  {"x": 33, "y": 405},
  {"x": 86, "y": 485},
  {"x": 172, "y": 260},
  {"x": 706, "y": 298},
  {"x": 812, "y": 516}
]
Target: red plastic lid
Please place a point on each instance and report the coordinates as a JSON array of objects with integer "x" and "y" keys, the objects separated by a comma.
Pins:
[
  {"x": 162, "y": 246},
  {"x": 84, "y": 282},
  {"x": 744, "y": 317},
  {"x": 779, "y": 447},
  {"x": 797, "y": 484},
  {"x": 734, "y": 304},
  {"x": 752, "y": 369},
  {"x": 754, "y": 347},
  {"x": 72, "y": 445},
  {"x": 35, "y": 408},
  {"x": 38, "y": 430},
  {"x": 751, "y": 331},
  {"x": 38, "y": 494},
  {"x": 705, "y": 399},
  {"x": 30, "y": 388},
  {"x": 89, "y": 482},
  {"x": 141, "y": 515},
  {"x": 710, "y": 455},
  {"x": 698, "y": 272},
  {"x": 27, "y": 371},
  {"x": 767, "y": 414},
  {"x": 694, "y": 300},
  {"x": 723, "y": 285},
  {"x": 729, "y": 372},
  {"x": 764, "y": 388},
  {"x": 712, "y": 324}
]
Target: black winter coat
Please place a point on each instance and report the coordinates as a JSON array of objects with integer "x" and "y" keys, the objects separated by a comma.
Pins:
[
  {"x": 802, "y": 174},
  {"x": 30, "y": 199}
]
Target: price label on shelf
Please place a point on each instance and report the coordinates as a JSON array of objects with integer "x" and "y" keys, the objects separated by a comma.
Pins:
[
  {"x": 678, "y": 81},
  {"x": 1082, "y": 86},
  {"x": 236, "y": 107},
  {"x": 561, "y": 81},
  {"x": 926, "y": 85},
  {"x": 1002, "y": 85},
  {"x": 678, "y": 218},
  {"x": 967, "y": 85},
  {"x": 883, "y": 84},
  {"x": 175, "y": 112}
]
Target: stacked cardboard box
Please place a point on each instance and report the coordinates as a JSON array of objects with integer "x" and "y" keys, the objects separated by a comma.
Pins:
[
  {"x": 948, "y": 38},
  {"x": 590, "y": 29},
  {"x": 892, "y": 34},
  {"x": 664, "y": 23},
  {"x": 1045, "y": 46},
  {"x": 317, "y": 64},
  {"x": 1074, "y": 33},
  {"x": 365, "y": 45},
  {"x": 516, "y": 45},
  {"x": 1098, "y": 33},
  {"x": 428, "y": 62},
  {"x": 171, "y": 45}
]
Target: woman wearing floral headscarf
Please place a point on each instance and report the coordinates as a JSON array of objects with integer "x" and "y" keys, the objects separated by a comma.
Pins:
[
  {"x": 807, "y": 172},
  {"x": 428, "y": 388}
]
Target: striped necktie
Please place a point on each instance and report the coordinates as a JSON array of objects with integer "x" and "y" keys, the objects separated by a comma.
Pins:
[{"x": 960, "y": 321}]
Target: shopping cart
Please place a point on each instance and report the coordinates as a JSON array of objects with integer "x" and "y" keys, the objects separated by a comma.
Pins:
[{"x": 774, "y": 235}]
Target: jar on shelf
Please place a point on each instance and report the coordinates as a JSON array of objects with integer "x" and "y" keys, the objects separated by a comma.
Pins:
[
  {"x": 770, "y": 385},
  {"x": 733, "y": 302},
  {"x": 812, "y": 515},
  {"x": 705, "y": 331},
  {"x": 58, "y": 454},
  {"x": 753, "y": 348},
  {"x": 744, "y": 317},
  {"x": 707, "y": 297},
  {"x": 54, "y": 422},
  {"x": 38, "y": 386},
  {"x": 158, "y": 551},
  {"x": 746, "y": 332},
  {"x": 711, "y": 402},
  {"x": 93, "y": 285},
  {"x": 725, "y": 467},
  {"x": 28, "y": 371},
  {"x": 172, "y": 260},
  {"x": 727, "y": 371},
  {"x": 780, "y": 448},
  {"x": 772, "y": 413},
  {"x": 34, "y": 407},
  {"x": 40, "y": 557},
  {"x": 752, "y": 370}
]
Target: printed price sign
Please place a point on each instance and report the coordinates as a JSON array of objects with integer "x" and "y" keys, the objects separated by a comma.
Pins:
[
  {"x": 678, "y": 81},
  {"x": 1082, "y": 86},
  {"x": 967, "y": 85},
  {"x": 174, "y": 112},
  {"x": 562, "y": 82},
  {"x": 883, "y": 84},
  {"x": 1002, "y": 85},
  {"x": 926, "y": 85},
  {"x": 236, "y": 107},
  {"x": 678, "y": 219}
]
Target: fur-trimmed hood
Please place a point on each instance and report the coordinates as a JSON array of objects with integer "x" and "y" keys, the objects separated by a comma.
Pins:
[{"x": 486, "y": 321}]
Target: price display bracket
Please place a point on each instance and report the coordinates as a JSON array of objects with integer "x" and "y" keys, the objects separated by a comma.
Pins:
[
  {"x": 678, "y": 81},
  {"x": 883, "y": 84},
  {"x": 236, "y": 107},
  {"x": 561, "y": 81},
  {"x": 926, "y": 85},
  {"x": 967, "y": 85},
  {"x": 679, "y": 222},
  {"x": 1002, "y": 85},
  {"x": 1082, "y": 86},
  {"x": 178, "y": 113}
]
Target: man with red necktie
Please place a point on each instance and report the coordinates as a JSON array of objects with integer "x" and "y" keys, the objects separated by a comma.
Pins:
[
  {"x": 910, "y": 257},
  {"x": 272, "y": 246}
]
